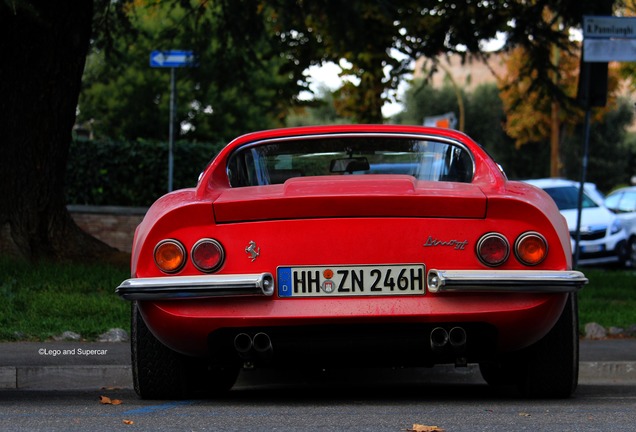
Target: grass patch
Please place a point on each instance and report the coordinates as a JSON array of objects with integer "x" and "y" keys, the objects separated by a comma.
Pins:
[
  {"x": 609, "y": 299},
  {"x": 40, "y": 301}
]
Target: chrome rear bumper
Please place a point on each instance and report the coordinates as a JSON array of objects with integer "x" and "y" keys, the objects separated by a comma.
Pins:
[
  {"x": 505, "y": 281},
  {"x": 192, "y": 287},
  {"x": 207, "y": 286}
]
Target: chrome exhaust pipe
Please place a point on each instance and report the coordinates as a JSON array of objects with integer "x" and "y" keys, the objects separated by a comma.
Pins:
[
  {"x": 243, "y": 344},
  {"x": 457, "y": 337},
  {"x": 262, "y": 343},
  {"x": 439, "y": 338}
]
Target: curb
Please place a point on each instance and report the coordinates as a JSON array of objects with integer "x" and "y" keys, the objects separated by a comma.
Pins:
[
  {"x": 65, "y": 377},
  {"x": 608, "y": 372},
  {"x": 116, "y": 376}
]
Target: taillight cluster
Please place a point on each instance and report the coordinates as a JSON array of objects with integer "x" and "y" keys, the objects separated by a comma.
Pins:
[
  {"x": 530, "y": 248},
  {"x": 207, "y": 255}
]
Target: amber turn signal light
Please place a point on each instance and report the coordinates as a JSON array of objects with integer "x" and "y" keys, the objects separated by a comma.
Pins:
[
  {"x": 531, "y": 248},
  {"x": 170, "y": 256}
]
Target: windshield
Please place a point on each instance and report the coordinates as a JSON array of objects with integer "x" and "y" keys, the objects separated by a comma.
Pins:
[
  {"x": 567, "y": 197},
  {"x": 275, "y": 162}
]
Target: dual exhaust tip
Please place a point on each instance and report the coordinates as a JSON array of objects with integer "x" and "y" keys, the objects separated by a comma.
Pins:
[
  {"x": 261, "y": 344},
  {"x": 455, "y": 337},
  {"x": 244, "y": 344}
]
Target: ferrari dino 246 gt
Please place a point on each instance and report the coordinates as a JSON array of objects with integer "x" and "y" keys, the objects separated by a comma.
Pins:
[{"x": 361, "y": 245}]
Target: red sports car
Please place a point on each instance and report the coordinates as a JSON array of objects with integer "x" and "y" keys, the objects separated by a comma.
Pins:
[{"x": 374, "y": 245}]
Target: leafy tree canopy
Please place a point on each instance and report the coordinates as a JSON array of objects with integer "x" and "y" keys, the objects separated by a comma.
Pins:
[
  {"x": 235, "y": 87},
  {"x": 612, "y": 148},
  {"x": 253, "y": 55}
]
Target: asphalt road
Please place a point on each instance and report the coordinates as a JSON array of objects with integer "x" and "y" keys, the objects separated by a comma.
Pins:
[
  {"x": 325, "y": 406},
  {"x": 85, "y": 365},
  {"x": 354, "y": 400}
]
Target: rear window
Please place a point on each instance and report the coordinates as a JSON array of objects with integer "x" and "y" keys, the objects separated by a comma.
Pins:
[
  {"x": 567, "y": 197},
  {"x": 622, "y": 202},
  {"x": 275, "y": 162}
]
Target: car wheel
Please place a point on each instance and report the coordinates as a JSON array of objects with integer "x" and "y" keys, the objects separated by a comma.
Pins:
[
  {"x": 500, "y": 373},
  {"x": 631, "y": 253},
  {"x": 547, "y": 369},
  {"x": 161, "y": 373},
  {"x": 551, "y": 366}
]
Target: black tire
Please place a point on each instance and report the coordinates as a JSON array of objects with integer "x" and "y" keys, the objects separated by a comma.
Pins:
[
  {"x": 500, "y": 373},
  {"x": 547, "y": 369},
  {"x": 161, "y": 373},
  {"x": 631, "y": 253}
]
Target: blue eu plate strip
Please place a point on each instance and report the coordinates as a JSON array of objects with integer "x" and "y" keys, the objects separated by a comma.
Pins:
[{"x": 284, "y": 282}]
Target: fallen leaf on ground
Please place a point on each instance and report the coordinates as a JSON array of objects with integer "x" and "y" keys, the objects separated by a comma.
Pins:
[
  {"x": 128, "y": 422},
  {"x": 105, "y": 400},
  {"x": 425, "y": 428}
]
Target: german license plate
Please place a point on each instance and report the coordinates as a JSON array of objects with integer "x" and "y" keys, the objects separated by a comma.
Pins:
[{"x": 341, "y": 281}]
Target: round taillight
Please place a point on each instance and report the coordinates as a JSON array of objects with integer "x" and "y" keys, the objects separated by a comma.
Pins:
[
  {"x": 170, "y": 256},
  {"x": 493, "y": 249},
  {"x": 531, "y": 248},
  {"x": 208, "y": 255}
]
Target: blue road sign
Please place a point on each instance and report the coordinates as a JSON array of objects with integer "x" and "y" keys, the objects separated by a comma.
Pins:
[{"x": 171, "y": 59}]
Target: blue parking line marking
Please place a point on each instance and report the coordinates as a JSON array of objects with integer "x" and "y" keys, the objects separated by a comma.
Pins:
[{"x": 155, "y": 408}]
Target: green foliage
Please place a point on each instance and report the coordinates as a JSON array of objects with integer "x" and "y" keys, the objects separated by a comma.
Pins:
[
  {"x": 320, "y": 111},
  {"x": 45, "y": 299},
  {"x": 131, "y": 173},
  {"x": 422, "y": 100},
  {"x": 612, "y": 150},
  {"x": 484, "y": 116},
  {"x": 130, "y": 103},
  {"x": 240, "y": 82}
]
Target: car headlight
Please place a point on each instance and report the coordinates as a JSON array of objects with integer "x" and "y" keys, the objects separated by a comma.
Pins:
[{"x": 616, "y": 226}]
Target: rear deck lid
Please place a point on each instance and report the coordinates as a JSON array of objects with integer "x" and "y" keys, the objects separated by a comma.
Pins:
[{"x": 351, "y": 196}]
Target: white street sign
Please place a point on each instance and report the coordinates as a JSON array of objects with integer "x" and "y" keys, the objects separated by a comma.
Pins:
[
  {"x": 607, "y": 50},
  {"x": 609, "y": 27},
  {"x": 607, "y": 39}
]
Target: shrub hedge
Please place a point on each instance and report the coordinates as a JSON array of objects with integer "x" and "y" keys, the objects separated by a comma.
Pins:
[{"x": 135, "y": 173}]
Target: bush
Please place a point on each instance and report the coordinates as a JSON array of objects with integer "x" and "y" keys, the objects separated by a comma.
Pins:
[{"x": 131, "y": 173}]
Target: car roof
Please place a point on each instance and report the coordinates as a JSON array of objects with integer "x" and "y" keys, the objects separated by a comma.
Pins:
[
  {"x": 623, "y": 189},
  {"x": 552, "y": 182}
]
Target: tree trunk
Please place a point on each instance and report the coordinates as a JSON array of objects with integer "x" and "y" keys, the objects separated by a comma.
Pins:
[{"x": 43, "y": 45}]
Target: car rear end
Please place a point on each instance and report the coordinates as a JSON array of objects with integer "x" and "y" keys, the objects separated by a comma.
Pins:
[
  {"x": 426, "y": 258},
  {"x": 262, "y": 266}
]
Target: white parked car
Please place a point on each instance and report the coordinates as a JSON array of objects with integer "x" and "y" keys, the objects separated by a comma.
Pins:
[
  {"x": 623, "y": 203},
  {"x": 602, "y": 238}
]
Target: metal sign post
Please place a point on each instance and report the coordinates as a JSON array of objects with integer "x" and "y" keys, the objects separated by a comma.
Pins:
[
  {"x": 586, "y": 151},
  {"x": 171, "y": 59}
]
